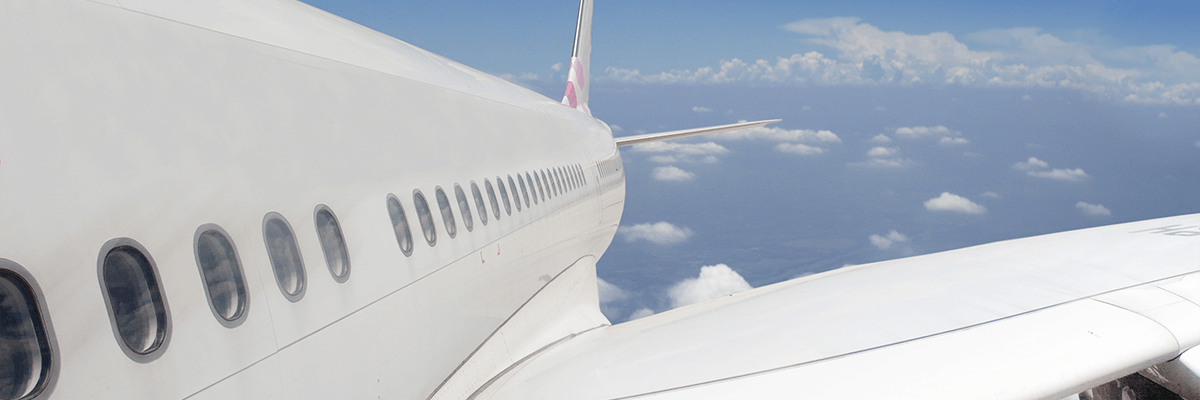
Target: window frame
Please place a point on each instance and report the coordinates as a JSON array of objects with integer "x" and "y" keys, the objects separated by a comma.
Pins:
[
  {"x": 162, "y": 308},
  {"x": 48, "y": 342},
  {"x": 239, "y": 277},
  {"x": 341, "y": 238},
  {"x": 391, "y": 197},
  {"x": 300, "y": 270}
]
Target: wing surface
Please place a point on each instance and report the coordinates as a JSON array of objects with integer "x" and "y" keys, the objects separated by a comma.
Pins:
[{"x": 1041, "y": 317}]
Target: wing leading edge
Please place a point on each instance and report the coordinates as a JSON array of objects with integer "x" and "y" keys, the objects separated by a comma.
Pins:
[{"x": 1041, "y": 317}]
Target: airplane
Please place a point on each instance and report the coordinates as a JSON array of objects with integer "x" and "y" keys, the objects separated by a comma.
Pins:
[{"x": 257, "y": 199}]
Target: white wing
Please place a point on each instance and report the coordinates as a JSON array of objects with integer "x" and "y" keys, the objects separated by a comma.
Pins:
[{"x": 1042, "y": 317}]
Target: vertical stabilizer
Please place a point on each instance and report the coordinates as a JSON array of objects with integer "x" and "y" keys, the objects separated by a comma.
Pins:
[{"x": 578, "y": 77}]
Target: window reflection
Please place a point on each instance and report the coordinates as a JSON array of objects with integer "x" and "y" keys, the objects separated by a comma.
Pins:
[
  {"x": 333, "y": 243},
  {"x": 285, "y": 256},
  {"x": 24, "y": 347},
  {"x": 512, "y": 186},
  {"x": 464, "y": 207},
  {"x": 487, "y": 185},
  {"x": 524, "y": 192},
  {"x": 532, "y": 188},
  {"x": 400, "y": 225},
  {"x": 425, "y": 218},
  {"x": 222, "y": 273},
  {"x": 504, "y": 196},
  {"x": 134, "y": 299},
  {"x": 447, "y": 212},
  {"x": 479, "y": 203}
]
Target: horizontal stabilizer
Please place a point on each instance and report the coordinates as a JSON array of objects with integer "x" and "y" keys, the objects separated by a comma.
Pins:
[{"x": 654, "y": 137}]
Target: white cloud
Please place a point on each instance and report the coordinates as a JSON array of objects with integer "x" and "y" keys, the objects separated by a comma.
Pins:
[
  {"x": 884, "y": 242},
  {"x": 616, "y": 128},
  {"x": 880, "y": 152},
  {"x": 917, "y": 132},
  {"x": 954, "y": 203},
  {"x": 1033, "y": 163},
  {"x": 610, "y": 292},
  {"x": 641, "y": 313},
  {"x": 888, "y": 163},
  {"x": 779, "y": 135},
  {"x": 881, "y": 138},
  {"x": 714, "y": 281},
  {"x": 798, "y": 148},
  {"x": 1060, "y": 174},
  {"x": 657, "y": 233},
  {"x": 672, "y": 174},
  {"x": 1162, "y": 114},
  {"x": 701, "y": 109},
  {"x": 1093, "y": 209},
  {"x": 706, "y": 152},
  {"x": 1023, "y": 57},
  {"x": 1038, "y": 169},
  {"x": 991, "y": 195},
  {"x": 949, "y": 141},
  {"x": 556, "y": 67}
]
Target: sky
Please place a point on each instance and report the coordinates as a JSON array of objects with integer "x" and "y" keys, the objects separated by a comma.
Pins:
[{"x": 908, "y": 127}]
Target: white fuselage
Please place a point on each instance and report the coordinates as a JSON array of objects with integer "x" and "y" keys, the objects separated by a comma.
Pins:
[{"x": 147, "y": 120}]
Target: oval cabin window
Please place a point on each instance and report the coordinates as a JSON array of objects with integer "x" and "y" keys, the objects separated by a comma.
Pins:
[
  {"x": 26, "y": 343},
  {"x": 400, "y": 225},
  {"x": 464, "y": 207},
  {"x": 333, "y": 243},
  {"x": 447, "y": 212},
  {"x": 487, "y": 185},
  {"x": 479, "y": 206},
  {"x": 532, "y": 188},
  {"x": 512, "y": 187},
  {"x": 285, "y": 256},
  {"x": 504, "y": 196},
  {"x": 221, "y": 270},
  {"x": 136, "y": 306},
  {"x": 425, "y": 218},
  {"x": 524, "y": 191}
]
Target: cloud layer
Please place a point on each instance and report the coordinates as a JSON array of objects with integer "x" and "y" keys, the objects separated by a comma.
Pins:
[
  {"x": 714, "y": 281},
  {"x": 1093, "y": 209},
  {"x": 657, "y": 233},
  {"x": 1023, "y": 57},
  {"x": 954, "y": 203},
  {"x": 1041, "y": 169},
  {"x": 884, "y": 242}
]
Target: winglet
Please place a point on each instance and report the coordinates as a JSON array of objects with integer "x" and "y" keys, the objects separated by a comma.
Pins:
[{"x": 577, "y": 78}]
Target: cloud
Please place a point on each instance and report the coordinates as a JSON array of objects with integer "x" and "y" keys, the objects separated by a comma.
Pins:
[
  {"x": 917, "y": 132},
  {"x": 610, "y": 292},
  {"x": 779, "y": 135},
  {"x": 641, "y": 313},
  {"x": 880, "y": 152},
  {"x": 657, "y": 233},
  {"x": 706, "y": 152},
  {"x": 1093, "y": 209},
  {"x": 1033, "y": 163},
  {"x": 1020, "y": 57},
  {"x": 799, "y": 148},
  {"x": 701, "y": 109},
  {"x": 954, "y": 203},
  {"x": 886, "y": 163},
  {"x": 714, "y": 281},
  {"x": 881, "y": 138},
  {"x": 672, "y": 174},
  {"x": 1162, "y": 114},
  {"x": 991, "y": 195},
  {"x": 884, "y": 242},
  {"x": 616, "y": 128},
  {"x": 556, "y": 67},
  {"x": 1026, "y": 97},
  {"x": 949, "y": 141},
  {"x": 1038, "y": 169},
  {"x": 1060, "y": 174}
]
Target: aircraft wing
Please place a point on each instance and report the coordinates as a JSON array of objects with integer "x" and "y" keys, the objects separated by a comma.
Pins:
[{"x": 1042, "y": 317}]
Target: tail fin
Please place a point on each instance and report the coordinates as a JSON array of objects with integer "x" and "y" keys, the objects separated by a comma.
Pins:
[{"x": 578, "y": 78}]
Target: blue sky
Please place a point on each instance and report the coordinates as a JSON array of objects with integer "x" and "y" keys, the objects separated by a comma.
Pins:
[{"x": 909, "y": 128}]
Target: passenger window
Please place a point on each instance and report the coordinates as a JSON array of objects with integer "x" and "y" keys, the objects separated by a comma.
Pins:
[
  {"x": 524, "y": 192},
  {"x": 504, "y": 196},
  {"x": 532, "y": 188},
  {"x": 447, "y": 212},
  {"x": 516, "y": 195},
  {"x": 464, "y": 207},
  {"x": 221, "y": 269},
  {"x": 425, "y": 218},
  {"x": 551, "y": 191},
  {"x": 541, "y": 189},
  {"x": 284, "y": 253},
  {"x": 479, "y": 206},
  {"x": 137, "y": 308},
  {"x": 27, "y": 343},
  {"x": 487, "y": 185},
  {"x": 557, "y": 181},
  {"x": 400, "y": 225},
  {"x": 333, "y": 243}
]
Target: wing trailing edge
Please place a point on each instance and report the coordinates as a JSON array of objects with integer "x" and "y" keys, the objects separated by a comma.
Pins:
[{"x": 654, "y": 137}]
